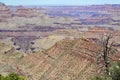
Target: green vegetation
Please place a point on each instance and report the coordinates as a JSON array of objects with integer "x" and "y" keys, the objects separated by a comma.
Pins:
[
  {"x": 107, "y": 49},
  {"x": 101, "y": 78},
  {"x": 110, "y": 71},
  {"x": 11, "y": 76},
  {"x": 114, "y": 73}
]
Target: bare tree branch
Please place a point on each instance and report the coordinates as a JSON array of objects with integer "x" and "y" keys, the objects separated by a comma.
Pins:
[{"x": 107, "y": 49}]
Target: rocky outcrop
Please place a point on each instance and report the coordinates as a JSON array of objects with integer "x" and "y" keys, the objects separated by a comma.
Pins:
[
  {"x": 4, "y": 12},
  {"x": 25, "y": 12},
  {"x": 68, "y": 59}
]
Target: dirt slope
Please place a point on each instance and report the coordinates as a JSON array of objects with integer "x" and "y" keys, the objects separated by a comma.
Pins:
[{"x": 66, "y": 60}]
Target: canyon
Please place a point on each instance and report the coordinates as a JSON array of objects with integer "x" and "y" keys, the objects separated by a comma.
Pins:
[{"x": 56, "y": 42}]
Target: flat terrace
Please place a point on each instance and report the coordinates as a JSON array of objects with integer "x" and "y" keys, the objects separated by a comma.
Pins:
[{"x": 17, "y": 33}]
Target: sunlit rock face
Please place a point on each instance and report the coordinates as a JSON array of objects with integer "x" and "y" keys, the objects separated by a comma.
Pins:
[
  {"x": 25, "y": 12},
  {"x": 4, "y": 12}
]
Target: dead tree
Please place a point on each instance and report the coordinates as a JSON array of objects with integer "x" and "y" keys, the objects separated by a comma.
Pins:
[{"x": 106, "y": 50}]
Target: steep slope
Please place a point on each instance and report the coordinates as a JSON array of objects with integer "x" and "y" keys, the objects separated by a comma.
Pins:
[
  {"x": 66, "y": 60},
  {"x": 8, "y": 57},
  {"x": 4, "y": 12},
  {"x": 47, "y": 42}
]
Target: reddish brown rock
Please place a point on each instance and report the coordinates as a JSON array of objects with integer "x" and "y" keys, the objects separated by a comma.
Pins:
[
  {"x": 4, "y": 12},
  {"x": 25, "y": 12}
]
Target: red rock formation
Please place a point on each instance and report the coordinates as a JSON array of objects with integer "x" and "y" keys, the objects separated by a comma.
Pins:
[
  {"x": 25, "y": 12},
  {"x": 97, "y": 31},
  {"x": 4, "y": 12}
]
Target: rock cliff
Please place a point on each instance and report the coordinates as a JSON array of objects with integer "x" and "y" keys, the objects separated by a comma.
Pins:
[{"x": 4, "y": 12}]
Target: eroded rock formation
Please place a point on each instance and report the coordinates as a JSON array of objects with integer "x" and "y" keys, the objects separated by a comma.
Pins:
[
  {"x": 4, "y": 12},
  {"x": 25, "y": 12}
]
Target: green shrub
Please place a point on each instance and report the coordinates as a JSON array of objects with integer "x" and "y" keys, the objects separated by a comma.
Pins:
[
  {"x": 12, "y": 76},
  {"x": 101, "y": 78},
  {"x": 115, "y": 71},
  {"x": 2, "y": 77}
]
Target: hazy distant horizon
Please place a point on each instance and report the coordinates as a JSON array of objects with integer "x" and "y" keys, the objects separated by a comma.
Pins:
[{"x": 59, "y": 3}]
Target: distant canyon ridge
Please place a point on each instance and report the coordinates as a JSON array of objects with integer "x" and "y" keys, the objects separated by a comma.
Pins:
[
  {"x": 56, "y": 42},
  {"x": 11, "y": 16},
  {"x": 25, "y": 26}
]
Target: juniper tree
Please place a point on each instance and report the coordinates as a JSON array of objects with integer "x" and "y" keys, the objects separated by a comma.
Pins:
[{"x": 106, "y": 50}]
